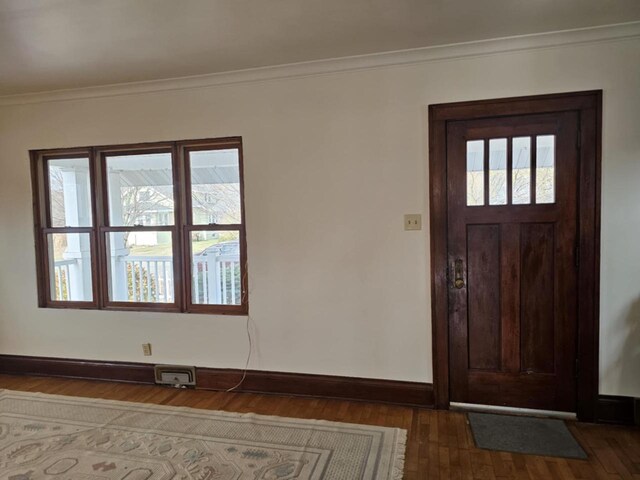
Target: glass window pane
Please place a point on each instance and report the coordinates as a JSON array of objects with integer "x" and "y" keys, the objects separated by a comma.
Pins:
[
  {"x": 215, "y": 186},
  {"x": 140, "y": 189},
  {"x": 215, "y": 277},
  {"x": 70, "y": 267},
  {"x": 498, "y": 171},
  {"x": 521, "y": 170},
  {"x": 69, "y": 192},
  {"x": 545, "y": 169},
  {"x": 140, "y": 266},
  {"x": 475, "y": 172}
]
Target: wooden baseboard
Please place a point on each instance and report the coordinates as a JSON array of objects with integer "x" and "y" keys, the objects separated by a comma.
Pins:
[
  {"x": 615, "y": 409},
  {"x": 75, "y": 368},
  {"x": 256, "y": 381},
  {"x": 388, "y": 391}
]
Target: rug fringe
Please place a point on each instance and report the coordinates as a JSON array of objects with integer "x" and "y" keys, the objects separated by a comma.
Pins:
[{"x": 397, "y": 472}]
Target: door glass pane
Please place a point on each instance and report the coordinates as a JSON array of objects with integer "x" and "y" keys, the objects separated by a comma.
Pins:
[
  {"x": 215, "y": 272},
  {"x": 498, "y": 171},
  {"x": 69, "y": 192},
  {"x": 215, "y": 186},
  {"x": 140, "y": 189},
  {"x": 521, "y": 170},
  {"x": 475, "y": 172},
  {"x": 545, "y": 169},
  {"x": 70, "y": 267},
  {"x": 140, "y": 266}
]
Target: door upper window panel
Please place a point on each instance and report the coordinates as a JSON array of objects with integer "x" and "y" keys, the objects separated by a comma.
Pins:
[
  {"x": 498, "y": 171},
  {"x": 475, "y": 173},
  {"x": 521, "y": 170},
  {"x": 545, "y": 169},
  {"x": 511, "y": 171}
]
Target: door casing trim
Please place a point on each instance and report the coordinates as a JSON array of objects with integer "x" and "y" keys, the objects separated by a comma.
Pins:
[{"x": 588, "y": 105}]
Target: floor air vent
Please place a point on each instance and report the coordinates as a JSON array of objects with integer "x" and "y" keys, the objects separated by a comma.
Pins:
[{"x": 175, "y": 375}]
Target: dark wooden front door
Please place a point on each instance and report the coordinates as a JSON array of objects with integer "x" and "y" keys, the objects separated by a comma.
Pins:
[{"x": 512, "y": 197}]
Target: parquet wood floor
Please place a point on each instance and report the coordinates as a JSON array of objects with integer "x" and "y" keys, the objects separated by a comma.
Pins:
[{"x": 440, "y": 444}]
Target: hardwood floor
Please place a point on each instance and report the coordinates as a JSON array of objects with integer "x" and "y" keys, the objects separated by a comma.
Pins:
[{"x": 440, "y": 445}]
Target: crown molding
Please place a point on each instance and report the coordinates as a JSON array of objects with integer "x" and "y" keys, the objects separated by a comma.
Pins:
[{"x": 582, "y": 36}]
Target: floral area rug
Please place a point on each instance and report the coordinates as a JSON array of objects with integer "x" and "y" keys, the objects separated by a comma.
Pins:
[{"x": 69, "y": 438}]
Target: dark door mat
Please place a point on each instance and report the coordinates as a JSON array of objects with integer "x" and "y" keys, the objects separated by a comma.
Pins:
[{"x": 529, "y": 435}]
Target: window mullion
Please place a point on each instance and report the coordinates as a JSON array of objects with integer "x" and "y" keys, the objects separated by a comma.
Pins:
[
  {"x": 99, "y": 223},
  {"x": 178, "y": 221}
]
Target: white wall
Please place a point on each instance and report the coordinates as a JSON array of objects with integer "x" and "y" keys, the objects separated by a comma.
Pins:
[{"x": 332, "y": 162}]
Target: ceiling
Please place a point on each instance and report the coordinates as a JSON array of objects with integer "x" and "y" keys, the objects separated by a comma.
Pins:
[{"x": 61, "y": 44}]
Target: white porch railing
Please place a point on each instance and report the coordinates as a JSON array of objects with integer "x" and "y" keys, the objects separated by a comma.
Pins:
[
  {"x": 215, "y": 277},
  {"x": 149, "y": 279},
  {"x": 61, "y": 279},
  {"x": 216, "y": 280}
]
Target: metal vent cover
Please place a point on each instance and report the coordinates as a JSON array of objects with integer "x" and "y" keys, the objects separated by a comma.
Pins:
[{"x": 175, "y": 375}]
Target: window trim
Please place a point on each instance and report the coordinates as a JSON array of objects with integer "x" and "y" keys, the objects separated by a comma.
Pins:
[
  {"x": 180, "y": 230},
  {"x": 44, "y": 226},
  {"x": 189, "y": 226}
]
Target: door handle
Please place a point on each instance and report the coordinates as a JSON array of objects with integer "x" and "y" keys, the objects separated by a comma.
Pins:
[{"x": 458, "y": 274}]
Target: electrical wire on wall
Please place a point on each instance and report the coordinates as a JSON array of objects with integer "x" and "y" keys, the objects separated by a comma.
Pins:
[
  {"x": 250, "y": 340},
  {"x": 246, "y": 365}
]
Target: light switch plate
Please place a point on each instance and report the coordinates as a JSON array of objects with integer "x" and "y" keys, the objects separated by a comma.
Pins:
[
  {"x": 146, "y": 349},
  {"x": 413, "y": 221}
]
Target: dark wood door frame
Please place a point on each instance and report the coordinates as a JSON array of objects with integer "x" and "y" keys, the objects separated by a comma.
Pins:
[{"x": 588, "y": 106}]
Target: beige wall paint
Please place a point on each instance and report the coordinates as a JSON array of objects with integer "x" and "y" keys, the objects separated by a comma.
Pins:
[{"x": 332, "y": 162}]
